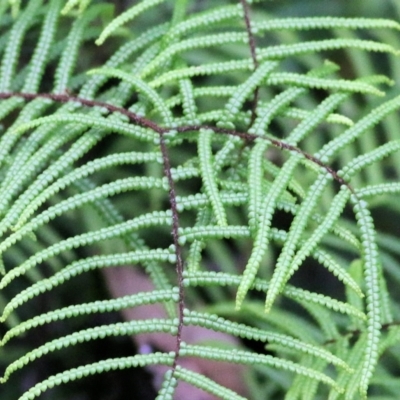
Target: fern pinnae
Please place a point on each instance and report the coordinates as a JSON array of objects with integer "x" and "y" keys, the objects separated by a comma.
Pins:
[
  {"x": 212, "y": 232},
  {"x": 100, "y": 306},
  {"x": 288, "y": 50},
  {"x": 24, "y": 151},
  {"x": 378, "y": 189},
  {"x": 98, "y": 332},
  {"x": 223, "y": 157},
  {"x": 161, "y": 64},
  {"x": 364, "y": 160},
  {"x": 110, "y": 215},
  {"x": 37, "y": 64},
  {"x": 286, "y": 322},
  {"x": 156, "y": 218},
  {"x": 341, "y": 232},
  {"x": 142, "y": 87},
  {"x": 294, "y": 185},
  {"x": 281, "y": 272},
  {"x": 6, "y": 107},
  {"x": 181, "y": 173},
  {"x": 206, "y": 19},
  {"x": 179, "y": 12},
  {"x": 324, "y": 301},
  {"x": 106, "y": 190},
  {"x": 70, "y": 4},
  {"x": 188, "y": 101},
  {"x": 310, "y": 386},
  {"x": 298, "y": 113},
  {"x": 203, "y": 218},
  {"x": 201, "y": 200},
  {"x": 307, "y": 23},
  {"x": 208, "y": 385},
  {"x": 34, "y": 164},
  {"x": 78, "y": 267},
  {"x": 360, "y": 127},
  {"x": 372, "y": 276},
  {"x": 354, "y": 359},
  {"x": 208, "y": 175},
  {"x": 62, "y": 75},
  {"x": 268, "y": 110},
  {"x": 205, "y": 41},
  {"x": 29, "y": 112},
  {"x": 336, "y": 208},
  {"x": 236, "y": 199},
  {"x": 41, "y": 195},
  {"x": 284, "y": 267},
  {"x": 317, "y": 116},
  {"x": 168, "y": 386},
  {"x": 370, "y": 252},
  {"x": 216, "y": 323},
  {"x": 255, "y": 179},
  {"x": 261, "y": 238},
  {"x": 124, "y": 128},
  {"x": 243, "y": 357},
  {"x": 312, "y": 82},
  {"x": 201, "y": 70},
  {"x": 121, "y": 55},
  {"x": 26, "y": 171},
  {"x": 128, "y": 15},
  {"x": 298, "y": 295},
  {"x": 330, "y": 264},
  {"x": 244, "y": 90},
  {"x": 12, "y": 50},
  {"x": 212, "y": 91},
  {"x": 97, "y": 368},
  {"x": 79, "y": 5}
]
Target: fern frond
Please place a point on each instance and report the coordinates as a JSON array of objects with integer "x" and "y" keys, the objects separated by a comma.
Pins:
[
  {"x": 12, "y": 50},
  {"x": 205, "y": 158},
  {"x": 324, "y": 23},
  {"x": 128, "y": 15},
  {"x": 248, "y": 358},
  {"x": 218, "y": 324},
  {"x": 213, "y": 150},
  {"x": 203, "y": 278},
  {"x": 97, "y": 368},
  {"x": 141, "y": 87},
  {"x": 89, "y": 308},
  {"x": 283, "y": 51},
  {"x": 208, "y": 385}
]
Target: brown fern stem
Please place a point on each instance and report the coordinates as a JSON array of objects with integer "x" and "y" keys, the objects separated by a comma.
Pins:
[
  {"x": 147, "y": 123},
  {"x": 252, "y": 47},
  {"x": 178, "y": 249}
]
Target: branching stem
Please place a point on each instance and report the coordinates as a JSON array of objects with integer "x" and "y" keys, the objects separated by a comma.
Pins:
[
  {"x": 252, "y": 47},
  {"x": 147, "y": 123}
]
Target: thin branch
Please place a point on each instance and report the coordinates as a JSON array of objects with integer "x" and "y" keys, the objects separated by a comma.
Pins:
[
  {"x": 252, "y": 46},
  {"x": 67, "y": 98},
  {"x": 147, "y": 123},
  {"x": 178, "y": 250}
]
